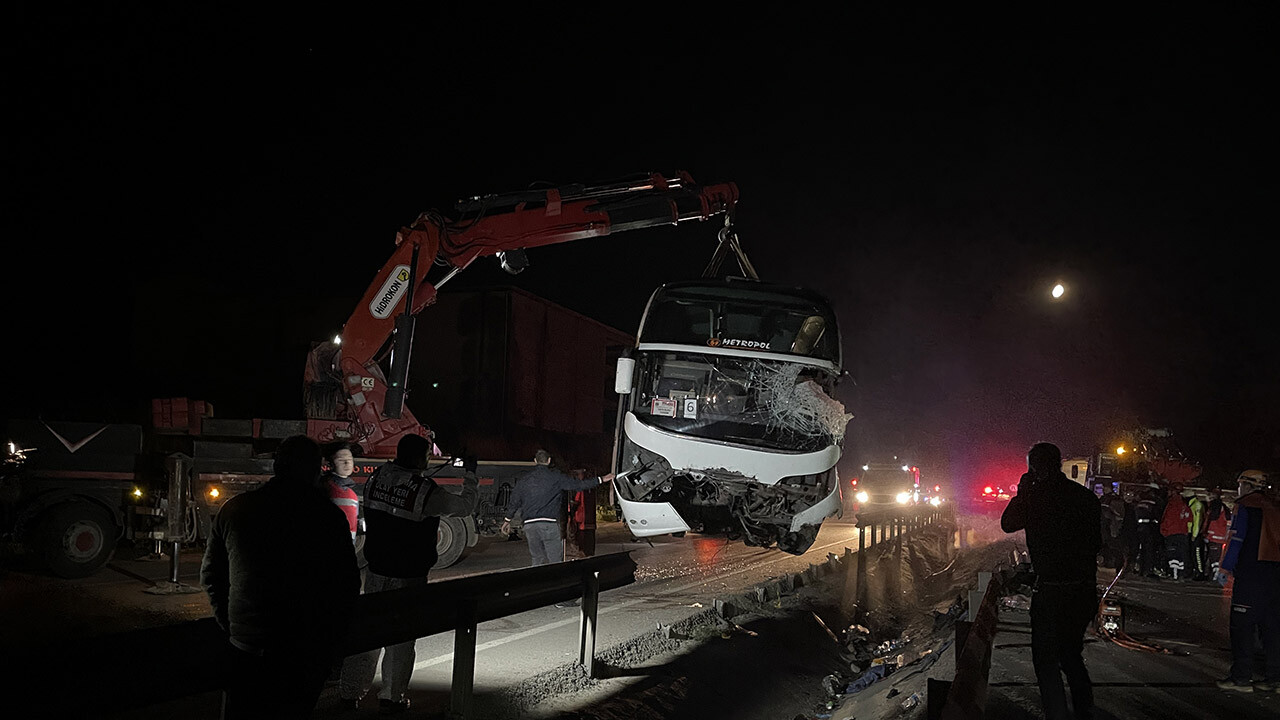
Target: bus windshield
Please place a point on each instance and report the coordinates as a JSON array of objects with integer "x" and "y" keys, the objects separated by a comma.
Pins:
[
  {"x": 741, "y": 316},
  {"x": 769, "y": 404}
]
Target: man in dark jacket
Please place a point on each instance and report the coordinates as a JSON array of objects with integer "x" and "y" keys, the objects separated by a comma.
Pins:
[
  {"x": 282, "y": 577},
  {"x": 1150, "y": 541},
  {"x": 1061, "y": 520},
  {"x": 539, "y": 499},
  {"x": 402, "y": 509}
]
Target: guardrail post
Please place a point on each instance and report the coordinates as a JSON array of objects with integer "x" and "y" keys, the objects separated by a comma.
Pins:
[
  {"x": 862, "y": 568},
  {"x": 936, "y": 697},
  {"x": 587, "y": 623},
  {"x": 464, "y": 663}
]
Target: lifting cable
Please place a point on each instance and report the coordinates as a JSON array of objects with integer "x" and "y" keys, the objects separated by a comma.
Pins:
[{"x": 729, "y": 243}]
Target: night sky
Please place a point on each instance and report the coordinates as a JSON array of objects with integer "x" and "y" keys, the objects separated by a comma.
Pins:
[{"x": 192, "y": 200}]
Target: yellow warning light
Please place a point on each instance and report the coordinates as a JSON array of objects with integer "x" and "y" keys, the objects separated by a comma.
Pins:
[
  {"x": 137, "y": 492},
  {"x": 1120, "y": 451},
  {"x": 213, "y": 492}
]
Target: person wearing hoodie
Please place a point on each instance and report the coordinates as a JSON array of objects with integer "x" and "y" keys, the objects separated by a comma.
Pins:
[
  {"x": 1062, "y": 520},
  {"x": 1253, "y": 557}
]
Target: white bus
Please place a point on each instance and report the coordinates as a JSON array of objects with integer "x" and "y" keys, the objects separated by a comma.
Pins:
[{"x": 727, "y": 425}]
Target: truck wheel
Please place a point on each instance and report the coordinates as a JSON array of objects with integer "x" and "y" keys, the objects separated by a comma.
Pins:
[
  {"x": 451, "y": 540},
  {"x": 76, "y": 539}
]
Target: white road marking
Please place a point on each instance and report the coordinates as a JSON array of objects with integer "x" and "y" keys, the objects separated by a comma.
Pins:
[{"x": 569, "y": 621}]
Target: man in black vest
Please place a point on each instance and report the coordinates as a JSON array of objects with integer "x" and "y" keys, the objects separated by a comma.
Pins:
[
  {"x": 1061, "y": 519},
  {"x": 402, "y": 509}
]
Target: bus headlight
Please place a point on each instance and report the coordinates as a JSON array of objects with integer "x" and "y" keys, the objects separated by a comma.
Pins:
[
  {"x": 862, "y": 496},
  {"x": 904, "y": 498}
]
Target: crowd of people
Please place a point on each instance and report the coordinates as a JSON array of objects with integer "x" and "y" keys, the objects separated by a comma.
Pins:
[
  {"x": 280, "y": 650},
  {"x": 1160, "y": 531}
]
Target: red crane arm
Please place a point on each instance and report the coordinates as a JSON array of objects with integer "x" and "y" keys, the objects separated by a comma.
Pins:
[
  {"x": 518, "y": 221},
  {"x": 503, "y": 225}
]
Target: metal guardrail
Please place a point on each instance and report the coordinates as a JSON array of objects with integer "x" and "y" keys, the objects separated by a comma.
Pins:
[
  {"x": 880, "y": 526},
  {"x": 123, "y": 671},
  {"x": 965, "y": 697}
]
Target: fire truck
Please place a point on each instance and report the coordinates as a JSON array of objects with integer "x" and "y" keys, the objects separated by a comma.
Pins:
[{"x": 70, "y": 490}]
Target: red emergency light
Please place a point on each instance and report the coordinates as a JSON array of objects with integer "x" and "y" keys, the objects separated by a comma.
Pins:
[
  {"x": 987, "y": 490},
  {"x": 937, "y": 488}
]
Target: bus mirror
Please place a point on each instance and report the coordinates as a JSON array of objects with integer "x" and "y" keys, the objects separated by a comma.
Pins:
[
  {"x": 624, "y": 375},
  {"x": 810, "y": 333}
]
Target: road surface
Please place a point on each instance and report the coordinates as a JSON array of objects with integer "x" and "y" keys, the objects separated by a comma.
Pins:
[{"x": 676, "y": 578}]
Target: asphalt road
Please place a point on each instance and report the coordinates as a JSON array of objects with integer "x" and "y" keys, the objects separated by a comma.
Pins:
[{"x": 676, "y": 578}]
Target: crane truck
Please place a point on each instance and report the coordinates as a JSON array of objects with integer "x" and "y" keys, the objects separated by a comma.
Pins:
[{"x": 70, "y": 490}]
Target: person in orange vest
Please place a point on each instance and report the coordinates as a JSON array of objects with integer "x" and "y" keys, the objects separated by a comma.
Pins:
[
  {"x": 1253, "y": 559},
  {"x": 340, "y": 485},
  {"x": 1217, "y": 530},
  {"x": 1175, "y": 526}
]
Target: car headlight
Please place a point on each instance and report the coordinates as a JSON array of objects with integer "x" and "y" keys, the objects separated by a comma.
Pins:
[
  {"x": 904, "y": 498},
  {"x": 935, "y": 501},
  {"x": 862, "y": 496}
]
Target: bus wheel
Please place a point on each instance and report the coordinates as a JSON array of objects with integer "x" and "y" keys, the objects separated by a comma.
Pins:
[{"x": 76, "y": 539}]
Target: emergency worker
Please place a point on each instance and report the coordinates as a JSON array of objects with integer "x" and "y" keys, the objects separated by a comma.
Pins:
[
  {"x": 1149, "y": 539},
  {"x": 340, "y": 485},
  {"x": 1129, "y": 529},
  {"x": 1217, "y": 530},
  {"x": 1112, "y": 524},
  {"x": 1175, "y": 526},
  {"x": 402, "y": 509},
  {"x": 1062, "y": 520},
  {"x": 539, "y": 499},
  {"x": 1253, "y": 557},
  {"x": 1195, "y": 535},
  {"x": 283, "y": 598}
]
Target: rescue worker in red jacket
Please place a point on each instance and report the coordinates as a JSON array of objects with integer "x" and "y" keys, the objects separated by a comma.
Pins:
[
  {"x": 340, "y": 485},
  {"x": 1217, "y": 530},
  {"x": 1176, "y": 529}
]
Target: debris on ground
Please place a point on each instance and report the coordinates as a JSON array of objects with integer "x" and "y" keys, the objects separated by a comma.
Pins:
[
  {"x": 833, "y": 685},
  {"x": 1016, "y": 602},
  {"x": 911, "y": 701},
  {"x": 948, "y": 617},
  {"x": 873, "y": 673}
]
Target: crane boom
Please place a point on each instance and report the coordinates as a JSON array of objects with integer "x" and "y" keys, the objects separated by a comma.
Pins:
[{"x": 347, "y": 394}]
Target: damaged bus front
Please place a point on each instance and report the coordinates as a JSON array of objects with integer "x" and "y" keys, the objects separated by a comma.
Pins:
[{"x": 727, "y": 424}]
